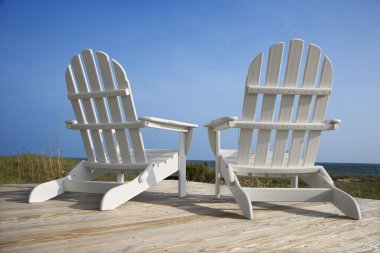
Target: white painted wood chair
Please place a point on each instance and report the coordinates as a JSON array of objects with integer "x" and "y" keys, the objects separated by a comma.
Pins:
[
  {"x": 105, "y": 112},
  {"x": 285, "y": 147}
]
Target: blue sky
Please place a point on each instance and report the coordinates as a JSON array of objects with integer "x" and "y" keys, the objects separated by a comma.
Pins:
[{"x": 186, "y": 60}]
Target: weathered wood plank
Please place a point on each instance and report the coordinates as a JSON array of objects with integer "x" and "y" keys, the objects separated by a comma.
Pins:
[{"x": 159, "y": 221}]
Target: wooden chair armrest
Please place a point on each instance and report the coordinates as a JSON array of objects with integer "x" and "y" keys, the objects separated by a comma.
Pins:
[
  {"x": 69, "y": 123},
  {"x": 220, "y": 121},
  {"x": 167, "y": 124},
  {"x": 335, "y": 122},
  {"x": 185, "y": 129}
]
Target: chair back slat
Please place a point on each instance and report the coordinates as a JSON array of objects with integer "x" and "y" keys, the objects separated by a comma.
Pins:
[
  {"x": 79, "y": 115},
  {"x": 93, "y": 77},
  {"x": 304, "y": 103},
  {"x": 130, "y": 113},
  {"x": 288, "y": 142},
  {"x": 88, "y": 106},
  {"x": 249, "y": 110},
  {"x": 114, "y": 106},
  {"x": 286, "y": 105},
  {"x": 319, "y": 113},
  {"x": 269, "y": 100}
]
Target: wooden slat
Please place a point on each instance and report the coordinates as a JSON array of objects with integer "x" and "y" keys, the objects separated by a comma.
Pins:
[
  {"x": 291, "y": 78},
  {"x": 267, "y": 109},
  {"x": 319, "y": 113},
  {"x": 108, "y": 81},
  {"x": 304, "y": 103},
  {"x": 290, "y": 194},
  {"x": 88, "y": 107},
  {"x": 158, "y": 221},
  {"x": 288, "y": 91},
  {"x": 79, "y": 115},
  {"x": 130, "y": 113},
  {"x": 121, "y": 135},
  {"x": 107, "y": 126},
  {"x": 270, "y": 171},
  {"x": 99, "y": 94},
  {"x": 94, "y": 81},
  {"x": 249, "y": 110},
  {"x": 322, "y": 126}
]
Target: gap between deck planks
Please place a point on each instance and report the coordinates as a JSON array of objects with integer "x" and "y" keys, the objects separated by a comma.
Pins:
[{"x": 158, "y": 220}]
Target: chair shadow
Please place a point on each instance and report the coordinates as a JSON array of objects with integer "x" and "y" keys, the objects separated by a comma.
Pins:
[
  {"x": 19, "y": 195},
  {"x": 193, "y": 203},
  {"x": 296, "y": 210},
  {"x": 196, "y": 204}
]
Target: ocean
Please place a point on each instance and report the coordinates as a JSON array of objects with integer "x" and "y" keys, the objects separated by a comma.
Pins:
[{"x": 364, "y": 169}]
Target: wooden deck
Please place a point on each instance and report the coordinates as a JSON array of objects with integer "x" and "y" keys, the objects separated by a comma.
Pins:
[{"x": 158, "y": 221}]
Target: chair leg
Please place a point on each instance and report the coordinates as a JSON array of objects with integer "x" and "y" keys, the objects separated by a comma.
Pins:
[
  {"x": 182, "y": 166},
  {"x": 340, "y": 199},
  {"x": 51, "y": 189},
  {"x": 241, "y": 197},
  {"x": 217, "y": 177},
  {"x": 217, "y": 165},
  {"x": 152, "y": 175},
  {"x": 120, "y": 194},
  {"x": 46, "y": 191},
  {"x": 294, "y": 182}
]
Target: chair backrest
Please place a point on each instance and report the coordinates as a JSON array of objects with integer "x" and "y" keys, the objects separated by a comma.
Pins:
[
  {"x": 312, "y": 100},
  {"x": 96, "y": 101}
]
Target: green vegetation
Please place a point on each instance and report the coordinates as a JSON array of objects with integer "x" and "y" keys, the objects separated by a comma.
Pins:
[
  {"x": 29, "y": 168},
  {"x": 24, "y": 169},
  {"x": 356, "y": 185},
  {"x": 367, "y": 187}
]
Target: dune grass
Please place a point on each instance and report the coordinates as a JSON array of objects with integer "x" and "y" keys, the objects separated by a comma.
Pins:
[
  {"x": 28, "y": 168},
  {"x": 356, "y": 185}
]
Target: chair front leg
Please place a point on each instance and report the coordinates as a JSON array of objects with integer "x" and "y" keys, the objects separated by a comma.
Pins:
[
  {"x": 217, "y": 165},
  {"x": 182, "y": 165}
]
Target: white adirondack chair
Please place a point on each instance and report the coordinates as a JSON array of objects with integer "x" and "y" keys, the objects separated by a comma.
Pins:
[
  {"x": 295, "y": 142},
  {"x": 105, "y": 137}
]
